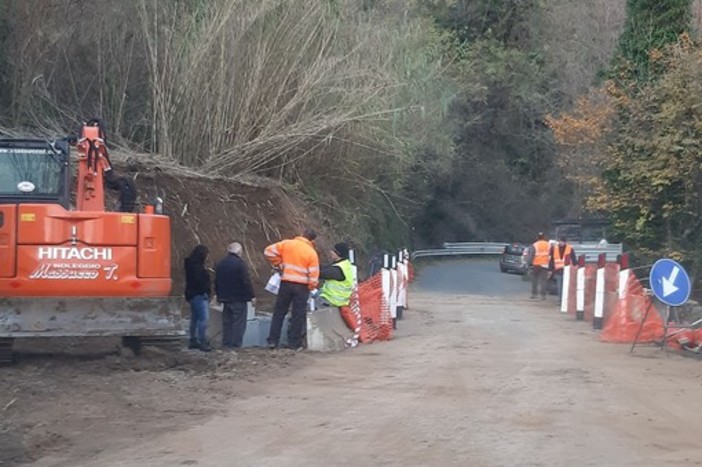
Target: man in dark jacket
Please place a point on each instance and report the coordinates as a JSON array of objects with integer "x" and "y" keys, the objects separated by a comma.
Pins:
[
  {"x": 197, "y": 293},
  {"x": 234, "y": 290}
]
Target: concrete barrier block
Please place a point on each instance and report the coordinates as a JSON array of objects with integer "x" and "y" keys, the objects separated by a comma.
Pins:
[
  {"x": 257, "y": 328},
  {"x": 326, "y": 330}
]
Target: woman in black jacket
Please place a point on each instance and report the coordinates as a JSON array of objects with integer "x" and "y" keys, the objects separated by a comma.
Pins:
[{"x": 198, "y": 291}]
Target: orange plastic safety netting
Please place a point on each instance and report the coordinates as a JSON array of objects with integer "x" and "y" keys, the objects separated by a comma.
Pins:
[
  {"x": 624, "y": 322},
  {"x": 611, "y": 289},
  {"x": 351, "y": 315},
  {"x": 376, "y": 321},
  {"x": 690, "y": 339}
]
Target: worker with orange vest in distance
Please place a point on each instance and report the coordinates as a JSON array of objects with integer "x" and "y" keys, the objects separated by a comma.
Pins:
[
  {"x": 557, "y": 258},
  {"x": 538, "y": 259},
  {"x": 298, "y": 263}
]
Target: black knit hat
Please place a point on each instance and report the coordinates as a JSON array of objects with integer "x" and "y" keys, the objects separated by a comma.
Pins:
[{"x": 342, "y": 249}]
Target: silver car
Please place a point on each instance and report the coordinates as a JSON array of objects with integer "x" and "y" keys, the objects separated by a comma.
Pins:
[{"x": 513, "y": 258}]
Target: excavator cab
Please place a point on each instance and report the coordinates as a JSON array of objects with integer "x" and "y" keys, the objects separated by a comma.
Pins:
[
  {"x": 34, "y": 171},
  {"x": 73, "y": 269}
]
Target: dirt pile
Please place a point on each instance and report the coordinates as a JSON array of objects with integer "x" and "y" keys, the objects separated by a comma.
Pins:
[{"x": 217, "y": 211}]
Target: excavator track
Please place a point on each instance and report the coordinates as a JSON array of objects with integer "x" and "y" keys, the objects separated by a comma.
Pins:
[
  {"x": 6, "y": 353},
  {"x": 136, "y": 343}
]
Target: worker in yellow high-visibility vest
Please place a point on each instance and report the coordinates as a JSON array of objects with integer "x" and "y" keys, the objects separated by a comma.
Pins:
[{"x": 338, "y": 278}]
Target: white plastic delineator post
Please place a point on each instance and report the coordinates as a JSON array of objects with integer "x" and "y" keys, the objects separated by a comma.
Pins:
[
  {"x": 386, "y": 281},
  {"x": 580, "y": 290},
  {"x": 393, "y": 290},
  {"x": 565, "y": 289},
  {"x": 355, "y": 303},
  {"x": 400, "y": 284},
  {"x": 405, "y": 278},
  {"x": 352, "y": 260},
  {"x": 406, "y": 258},
  {"x": 598, "y": 317},
  {"x": 623, "y": 285}
]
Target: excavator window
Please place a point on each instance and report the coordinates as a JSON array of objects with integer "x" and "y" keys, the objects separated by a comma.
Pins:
[{"x": 33, "y": 171}]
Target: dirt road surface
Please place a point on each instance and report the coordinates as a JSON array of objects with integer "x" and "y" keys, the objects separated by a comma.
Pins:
[{"x": 472, "y": 379}]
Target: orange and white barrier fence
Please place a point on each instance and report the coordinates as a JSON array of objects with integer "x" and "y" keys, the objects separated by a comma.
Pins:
[
  {"x": 612, "y": 298},
  {"x": 629, "y": 316},
  {"x": 590, "y": 291},
  {"x": 377, "y": 303}
]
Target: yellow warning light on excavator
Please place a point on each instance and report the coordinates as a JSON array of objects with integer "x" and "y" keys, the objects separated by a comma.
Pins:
[{"x": 28, "y": 217}]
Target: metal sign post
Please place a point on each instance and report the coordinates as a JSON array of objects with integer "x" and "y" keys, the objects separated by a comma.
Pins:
[{"x": 670, "y": 284}]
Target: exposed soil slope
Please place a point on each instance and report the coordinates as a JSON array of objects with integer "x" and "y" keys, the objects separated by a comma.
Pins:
[{"x": 217, "y": 211}]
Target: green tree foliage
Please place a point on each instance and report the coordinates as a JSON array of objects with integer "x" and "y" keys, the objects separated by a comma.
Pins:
[
  {"x": 505, "y": 21},
  {"x": 4, "y": 32},
  {"x": 503, "y": 183},
  {"x": 652, "y": 179},
  {"x": 648, "y": 183},
  {"x": 650, "y": 26},
  {"x": 644, "y": 140}
]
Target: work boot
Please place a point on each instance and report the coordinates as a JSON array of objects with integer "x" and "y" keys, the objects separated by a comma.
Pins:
[
  {"x": 193, "y": 344},
  {"x": 272, "y": 346},
  {"x": 543, "y": 297},
  {"x": 533, "y": 297},
  {"x": 204, "y": 347}
]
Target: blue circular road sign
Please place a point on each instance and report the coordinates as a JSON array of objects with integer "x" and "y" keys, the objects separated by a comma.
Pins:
[{"x": 669, "y": 282}]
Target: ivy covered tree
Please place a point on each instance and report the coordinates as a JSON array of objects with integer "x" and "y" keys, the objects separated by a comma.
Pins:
[
  {"x": 650, "y": 26},
  {"x": 636, "y": 144},
  {"x": 509, "y": 22},
  {"x": 642, "y": 184},
  {"x": 652, "y": 180}
]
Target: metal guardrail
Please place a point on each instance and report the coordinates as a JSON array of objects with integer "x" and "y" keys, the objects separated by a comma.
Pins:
[
  {"x": 463, "y": 249},
  {"x": 487, "y": 248},
  {"x": 590, "y": 250}
]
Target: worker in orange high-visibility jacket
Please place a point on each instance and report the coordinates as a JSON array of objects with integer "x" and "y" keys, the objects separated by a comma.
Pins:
[
  {"x": 556, "y": 261},
  {"x": 538, "y": 260},
  {"x": 298, "y": 263}
]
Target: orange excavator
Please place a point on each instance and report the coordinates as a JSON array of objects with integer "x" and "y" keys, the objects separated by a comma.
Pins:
[{"x": 71, "y": 269}]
